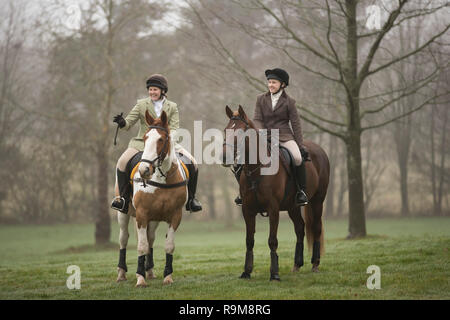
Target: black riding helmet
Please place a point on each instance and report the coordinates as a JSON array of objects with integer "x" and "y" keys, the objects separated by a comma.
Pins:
[
  {"x": 159, "y": 81},
  {"x": 278, "y": 74}
]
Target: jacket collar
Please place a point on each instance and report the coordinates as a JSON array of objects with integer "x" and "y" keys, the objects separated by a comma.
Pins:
[
  {"x": 151, "y": 106},
  {"x": 280, "y": 102}
]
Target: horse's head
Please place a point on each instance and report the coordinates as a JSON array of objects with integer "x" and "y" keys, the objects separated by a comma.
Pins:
[
  {"x": 156, "y": 144},
  {"x": 238, "y": 120}
]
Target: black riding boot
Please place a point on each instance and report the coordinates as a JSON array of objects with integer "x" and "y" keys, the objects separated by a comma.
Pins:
[
  {"x": 122, "y": 202},
  {"x": 300, "y": 176},
  {"x": 237, "y": 174},
  {"x": 192, "y": 203}
]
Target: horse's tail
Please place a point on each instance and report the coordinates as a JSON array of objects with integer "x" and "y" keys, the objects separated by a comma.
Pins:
[{"x": 309, "y": 219}]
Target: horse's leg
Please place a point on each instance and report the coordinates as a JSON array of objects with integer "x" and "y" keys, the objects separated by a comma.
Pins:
[
  {"x": 250, "y": 221},
  {"x": 316, "y": 208},
  {"x": 274, "y": 217},
  {"x": 149, "y": 264},
  {"x": 170, "y": 246},
  {"x": 142, "y": 248},
  {"x": 122, "y": 269},
  {"x": 299, "y": 227}
]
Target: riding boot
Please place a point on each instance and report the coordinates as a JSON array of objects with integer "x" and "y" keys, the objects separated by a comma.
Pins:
[
  {"x": 237, "y": 175},
  {"x": 192, "y": 203},
  {"x": 122, "y": 202},
  {"x": 300, "y": 176}
]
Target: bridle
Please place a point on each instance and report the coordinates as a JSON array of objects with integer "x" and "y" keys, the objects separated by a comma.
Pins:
[
  {"x": 157, "y": 163},
  {"x": 160, "y": 158},
  {"x": 247, "y": 125}
]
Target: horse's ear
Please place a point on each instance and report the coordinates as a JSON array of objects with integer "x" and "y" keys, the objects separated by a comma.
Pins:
[
  {"x": 148, "y": 118},
  {"x": 164, "y": 118},
  {"x": 229, "y": 112},
  {"x": 242, "y": 113}
]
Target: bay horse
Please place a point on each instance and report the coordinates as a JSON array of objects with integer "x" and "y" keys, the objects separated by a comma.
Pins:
[
  {"x": 159, "y": 193},
  {"x": 266, "y": 193}
]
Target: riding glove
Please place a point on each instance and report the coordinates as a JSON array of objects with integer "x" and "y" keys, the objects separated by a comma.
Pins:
[{"x": 120, "y": 121}]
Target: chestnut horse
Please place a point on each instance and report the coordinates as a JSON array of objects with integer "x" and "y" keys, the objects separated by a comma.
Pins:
[
  {"x": 266, "y": 193},
  {"x": 159, "y": 193}
]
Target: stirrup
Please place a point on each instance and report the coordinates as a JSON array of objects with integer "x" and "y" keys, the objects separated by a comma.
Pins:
[
  {"x": 302, "y": 202},
  {"x": 117, "y": 200}
]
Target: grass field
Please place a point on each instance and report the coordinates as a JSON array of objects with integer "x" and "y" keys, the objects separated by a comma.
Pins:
[{"x": 412, "y": 254}]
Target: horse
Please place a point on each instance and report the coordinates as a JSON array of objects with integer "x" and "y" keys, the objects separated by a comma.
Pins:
[
  {"x": 268, "y": 193},
  {"x": 159, "y": 193}
]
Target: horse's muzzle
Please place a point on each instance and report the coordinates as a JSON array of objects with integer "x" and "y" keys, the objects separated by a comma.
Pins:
[{"x": 146, "y": 171}]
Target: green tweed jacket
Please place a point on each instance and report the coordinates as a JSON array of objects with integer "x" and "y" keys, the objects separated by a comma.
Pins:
[{"x": 138, "y": 113}]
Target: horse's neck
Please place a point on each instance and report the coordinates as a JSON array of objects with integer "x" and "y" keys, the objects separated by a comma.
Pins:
[{"x": 247, "y": 152}]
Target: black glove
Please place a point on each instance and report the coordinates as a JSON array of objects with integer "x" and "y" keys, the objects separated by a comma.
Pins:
[{"x": 120, "y": 120}]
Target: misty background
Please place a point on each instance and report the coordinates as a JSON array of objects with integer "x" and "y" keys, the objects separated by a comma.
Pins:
[{"x": 373, "y": 93}]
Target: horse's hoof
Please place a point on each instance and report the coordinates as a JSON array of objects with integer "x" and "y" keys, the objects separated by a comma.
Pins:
[
  {"x": 121, "y": 275},
  {"x": 245, "y": 275},
  {"x": 295, "y": 268},
  {"x": 275, "y": 277},
  {"x": 168, "y": 279},
  {"x": 140, "y": 281},
  {"x": 315, "y": 269},
  {"x": 149, "y": 274}
]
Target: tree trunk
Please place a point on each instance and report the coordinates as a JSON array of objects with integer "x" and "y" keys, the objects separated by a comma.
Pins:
[
  {"x": 404, "y": 188},
  {"x": 329, "y": 212},
  {"x": 357, "y": 220},
  {"x": 102, "y": 221}
]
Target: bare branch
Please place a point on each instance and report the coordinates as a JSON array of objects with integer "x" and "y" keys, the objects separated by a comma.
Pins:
[
  {"x": 296, "y": 38},
  {"x": 426, "y": 102},
  {"x": 387, "y": 26},
  {"x": 409, "y": 54}
]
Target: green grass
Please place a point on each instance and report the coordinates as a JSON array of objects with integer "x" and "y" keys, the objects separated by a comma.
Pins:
[{"x": 412, "y": 254}]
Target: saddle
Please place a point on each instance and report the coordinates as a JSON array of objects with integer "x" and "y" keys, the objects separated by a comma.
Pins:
[
  {"x": 133, "y": 165},
  {"x": 287, "y": 160}
]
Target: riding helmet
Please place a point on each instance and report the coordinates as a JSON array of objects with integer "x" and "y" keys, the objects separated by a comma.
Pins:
[
  {"x": 159, "y": 81},
  {"x": 278, "y": 74}
]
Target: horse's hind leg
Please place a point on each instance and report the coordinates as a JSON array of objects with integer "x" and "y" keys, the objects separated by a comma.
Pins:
[
  {"x": 250, "y": 221},
  {"x": 122, "y": 269},
  {"x": 299, "y": 227},
  {"x": 149, "y": 264},
  {"x": 274, "y": 217},
  {"x": 170, "y": 247},
  {"x": 317, "y": 234}
]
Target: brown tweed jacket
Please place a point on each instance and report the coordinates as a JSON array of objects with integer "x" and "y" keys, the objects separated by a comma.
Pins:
[{"x": 278, "y": 118}]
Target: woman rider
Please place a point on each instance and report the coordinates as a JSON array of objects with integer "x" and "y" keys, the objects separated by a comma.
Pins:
[
  {"x": 274, "y": 110},
  {"x": 156, "y": 102}
]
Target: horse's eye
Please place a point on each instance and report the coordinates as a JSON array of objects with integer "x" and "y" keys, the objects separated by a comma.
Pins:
[{"x": 160, "y": 140}]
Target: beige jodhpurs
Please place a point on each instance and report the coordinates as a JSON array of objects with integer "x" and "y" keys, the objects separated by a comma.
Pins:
[{"x": 292, "y": 146}]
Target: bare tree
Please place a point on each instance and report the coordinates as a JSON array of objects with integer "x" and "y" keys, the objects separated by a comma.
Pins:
[
  {"x": 93, "y": 52},
  {"x": 329, "y": 41}
]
